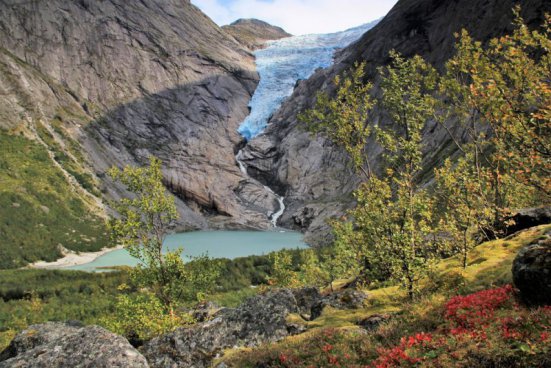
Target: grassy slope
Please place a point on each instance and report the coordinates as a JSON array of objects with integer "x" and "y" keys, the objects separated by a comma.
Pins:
[
  {"x": 35, "y": 296},
  {"x": 489, "y": 265},
  {"x": 39, "y": 210}
]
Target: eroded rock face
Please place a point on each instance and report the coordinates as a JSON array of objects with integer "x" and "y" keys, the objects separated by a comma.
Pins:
[
  {"x": 313, "y": 174},
  {"x": 130, "y": 79},
  {"x": 69, "y": 345},
  {"x": 532, "y": 272}
]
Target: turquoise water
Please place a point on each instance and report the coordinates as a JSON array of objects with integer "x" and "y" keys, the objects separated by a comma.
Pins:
[{"x": 217, "y": 244}]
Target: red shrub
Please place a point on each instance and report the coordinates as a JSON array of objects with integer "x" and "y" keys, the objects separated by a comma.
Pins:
[{"x": 476, "y": 309}]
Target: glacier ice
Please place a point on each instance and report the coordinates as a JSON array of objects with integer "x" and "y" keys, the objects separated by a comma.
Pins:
[{"x": 283, "y": 63}]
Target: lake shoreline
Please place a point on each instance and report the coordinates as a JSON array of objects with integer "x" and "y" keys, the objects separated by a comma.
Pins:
[{"x": 71, "y": 258}]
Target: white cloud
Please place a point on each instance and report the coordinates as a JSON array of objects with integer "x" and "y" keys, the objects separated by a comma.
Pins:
[{"x": 298, "y": 16}]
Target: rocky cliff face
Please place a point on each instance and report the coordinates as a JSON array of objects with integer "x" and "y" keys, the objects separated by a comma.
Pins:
[
  {"x": 254, "y": 33},
  {"x": 312, "y": 173},
  {"x": 131, "y": 79}
]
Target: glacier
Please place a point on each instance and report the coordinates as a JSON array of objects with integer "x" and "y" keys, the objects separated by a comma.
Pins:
[{"x": 284, "y": 62}]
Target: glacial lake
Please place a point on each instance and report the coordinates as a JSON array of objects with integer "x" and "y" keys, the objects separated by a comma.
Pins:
[{"x": 217, "y": 244}]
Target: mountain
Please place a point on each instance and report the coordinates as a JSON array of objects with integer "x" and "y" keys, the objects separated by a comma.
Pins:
[
  {"x": 313, "y": 174},
  {"x": 254, "y": 33},
  {"x": 90, "y": 84}
]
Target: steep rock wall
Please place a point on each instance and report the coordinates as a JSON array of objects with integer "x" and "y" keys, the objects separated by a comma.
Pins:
[{"x": 310, "y": 171}]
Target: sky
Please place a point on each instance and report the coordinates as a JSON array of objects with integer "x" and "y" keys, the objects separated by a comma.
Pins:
[{"x": 298, "y": 16}]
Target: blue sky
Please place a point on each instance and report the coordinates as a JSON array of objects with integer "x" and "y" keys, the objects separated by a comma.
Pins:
[{"x": 298, "y": 16}]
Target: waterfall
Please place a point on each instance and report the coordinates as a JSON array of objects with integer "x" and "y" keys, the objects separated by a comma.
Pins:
[
  {"x": 274, "y": 216},
  {"x": 280, "y": 65}
]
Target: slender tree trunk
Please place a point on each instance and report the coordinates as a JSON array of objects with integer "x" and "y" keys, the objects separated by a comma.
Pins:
[{"x": 465, "y": 249}]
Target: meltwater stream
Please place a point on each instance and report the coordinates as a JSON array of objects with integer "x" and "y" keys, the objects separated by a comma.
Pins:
[{"x": 280, "y": 66}]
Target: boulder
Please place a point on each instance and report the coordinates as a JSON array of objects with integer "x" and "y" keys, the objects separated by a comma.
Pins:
[
  {"x": 204, "y": 311},
  {"x": 372, "y": 322},
  {"x": 68, "y": 345},
  {"x": 260, "y": 319},
  {"x": 528, "y": 218},
  {"x": 532, "y": 272},
  {"x": 341, "y": 299}
]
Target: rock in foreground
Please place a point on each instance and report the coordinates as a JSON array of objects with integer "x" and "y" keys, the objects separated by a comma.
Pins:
[
  {"x": 69, "y": 345},
  {"x": 532, "y": 272},
  {"x": 260, "y": 319}
]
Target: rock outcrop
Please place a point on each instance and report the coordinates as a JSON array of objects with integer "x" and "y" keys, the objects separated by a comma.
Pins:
[
  {"x": 130, "y": 79},
  {"x": 69, "y": 345},
  {"x": 254, "y": 33},
  {"x": 529, "y": 217},
  {"x": 314, "y": 175},
  {"x": 260, "y": 319},
  {"x": 340, "y": 299},
  {"x": 532, "y": 272}
]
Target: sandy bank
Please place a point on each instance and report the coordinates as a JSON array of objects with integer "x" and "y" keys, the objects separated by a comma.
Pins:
[{"x": 72, "y": 258}]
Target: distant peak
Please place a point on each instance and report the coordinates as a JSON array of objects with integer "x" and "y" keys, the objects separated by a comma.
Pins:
[
  {"x": 250, "y": 21},
  {"x": 253, "y": 33},
  {"x": 259, "y": 24}
]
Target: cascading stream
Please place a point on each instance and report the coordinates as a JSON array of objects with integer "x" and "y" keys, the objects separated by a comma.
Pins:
[{"x": 280, "y": 66}]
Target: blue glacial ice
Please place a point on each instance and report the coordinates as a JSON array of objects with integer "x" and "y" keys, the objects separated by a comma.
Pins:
[{"x": 286, "y": 61}]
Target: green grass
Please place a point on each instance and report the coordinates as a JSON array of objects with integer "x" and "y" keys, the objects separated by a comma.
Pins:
[
  {"x": 39, "y": 211},
  {"x": 29, "y": 296},
  {"x": 35, "y": 296}
]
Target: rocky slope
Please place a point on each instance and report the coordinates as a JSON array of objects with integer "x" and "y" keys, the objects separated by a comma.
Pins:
[
  {"x": 259, "y": 320},
  {"x": 125, "y": 80},
  {"x": 254, "y": 33},
  {"x": 313, "y": 174}
]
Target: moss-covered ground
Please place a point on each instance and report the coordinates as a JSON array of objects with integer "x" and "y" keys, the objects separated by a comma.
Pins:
[{"x": 489, "y": 266}]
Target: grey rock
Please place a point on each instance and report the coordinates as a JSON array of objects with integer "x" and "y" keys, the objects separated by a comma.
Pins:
[
  {"x": 340, "y": 299},
  {"x": 532, "y": 272},
  {"x": 70, "y": 345},
  {"x": 131, "y": 79},
  {"x": 260, "y": 319},
  {"x": 373, "y": 322},
  {"x": 204, "y": 311},
  {"x": 530, "y": 217},
  {"x": 310, "y": 171}
]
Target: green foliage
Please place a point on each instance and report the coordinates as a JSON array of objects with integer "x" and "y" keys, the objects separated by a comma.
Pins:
[
  {"x": 392, "y": 228},
  {"x": 142, "y": 316},
  {"x": 142, "y": 225},
  {"x": 36, "y": 296},
  {"x": 283, "y": 274},
  {"x": 501, "y": 95},
  {"x": 38, "y": 208},
  {"x": 343, "y": 119},
  {"x": 467, "y": 213},
  {"x": 398, "y": 227},
  {"x": 509, "y": 335},
  {"x": 243, "y": 272}
]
